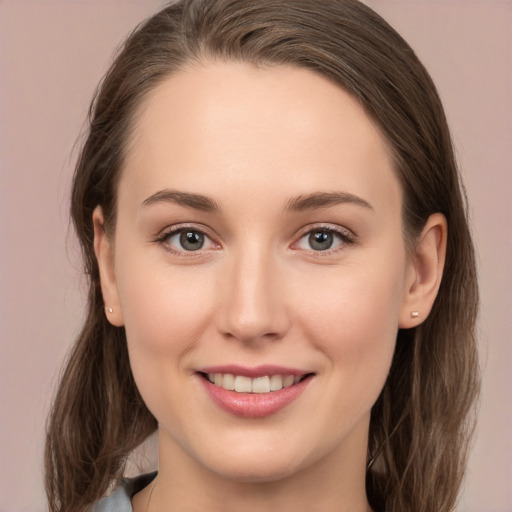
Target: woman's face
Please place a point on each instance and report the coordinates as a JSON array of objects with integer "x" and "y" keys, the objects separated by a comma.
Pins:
[{"x": 258, "y": 240}]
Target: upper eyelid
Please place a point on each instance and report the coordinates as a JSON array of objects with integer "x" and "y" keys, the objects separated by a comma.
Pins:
[
  {"x": 169, "y": 231},
  {"x": 334, "y": 228},
  {"x": 176, "y": 228}
]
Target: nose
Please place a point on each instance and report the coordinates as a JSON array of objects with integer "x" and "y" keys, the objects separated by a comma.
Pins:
[{"x": 253, "y": 299}]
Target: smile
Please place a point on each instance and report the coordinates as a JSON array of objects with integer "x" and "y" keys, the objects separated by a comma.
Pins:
[
  {"x": 254, "y": 392},
  {"x": 243, "y": 384}
]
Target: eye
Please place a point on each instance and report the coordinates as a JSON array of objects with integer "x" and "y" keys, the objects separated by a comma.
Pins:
[
  {"x": 324, "y": 239},
  {"x": 186, "y": 240},
  {"x": 320, "y": 240}
]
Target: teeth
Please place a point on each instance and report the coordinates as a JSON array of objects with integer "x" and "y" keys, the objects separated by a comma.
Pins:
[
  {"x": 276, "y": 383},
  {"x": 242, "y": 384},
  {"x": 228, "y": 382},
  {"x": 288, "y": 381},
  {"x": 261, "y": 385}
]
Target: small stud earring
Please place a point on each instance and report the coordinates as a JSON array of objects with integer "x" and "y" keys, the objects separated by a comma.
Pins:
[
  {"x": 110, "y": 310},
  {"x": 415, "y": 314}
]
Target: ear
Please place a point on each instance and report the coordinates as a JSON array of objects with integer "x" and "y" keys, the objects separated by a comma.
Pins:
[
  {"x": 104, "y": 250},
  {"x": 424, "y": 272}
]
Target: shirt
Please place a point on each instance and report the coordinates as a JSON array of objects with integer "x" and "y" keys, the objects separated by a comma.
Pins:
[{"x": 121, "y": 499}]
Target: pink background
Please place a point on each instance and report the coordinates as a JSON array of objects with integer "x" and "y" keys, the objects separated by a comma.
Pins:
[{"x": 52, "y": 54}]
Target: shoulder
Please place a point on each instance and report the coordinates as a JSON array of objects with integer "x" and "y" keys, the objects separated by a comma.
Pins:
[{"x": 120, "y": 499}]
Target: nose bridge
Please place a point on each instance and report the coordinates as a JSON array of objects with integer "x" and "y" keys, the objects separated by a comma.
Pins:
[{"x": 252, "y": 305}]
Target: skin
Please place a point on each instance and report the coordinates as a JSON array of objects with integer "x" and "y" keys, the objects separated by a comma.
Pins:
[{"x": 252, "y": 139}]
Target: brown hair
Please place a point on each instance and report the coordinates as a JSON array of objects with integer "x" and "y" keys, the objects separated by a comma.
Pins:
[{"x": 421, "y": 423}]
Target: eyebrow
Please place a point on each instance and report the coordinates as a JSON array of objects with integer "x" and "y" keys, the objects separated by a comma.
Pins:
[
  {"x": 300, "y": 203},
  {"x": 325, "y": 199},
  {"x": 196, "y": 201}
]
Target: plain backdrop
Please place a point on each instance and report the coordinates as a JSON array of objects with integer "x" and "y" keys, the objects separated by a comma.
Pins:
[{"x": 52, "y": 54}]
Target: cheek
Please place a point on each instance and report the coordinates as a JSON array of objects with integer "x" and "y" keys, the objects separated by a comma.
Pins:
[
  {"x": 358, "y": 304},
  {"x": 165, "y": 311},
  {"x": 352, "y": 318},
  {"x": 163, "y": 308}
]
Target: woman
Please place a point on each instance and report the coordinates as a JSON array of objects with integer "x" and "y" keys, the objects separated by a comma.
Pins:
[{"x": 282, "y": 279}]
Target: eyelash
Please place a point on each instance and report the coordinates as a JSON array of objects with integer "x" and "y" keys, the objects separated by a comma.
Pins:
[
  {"x": 344, "y": 236},
  {"x": 163, "y": 240}
]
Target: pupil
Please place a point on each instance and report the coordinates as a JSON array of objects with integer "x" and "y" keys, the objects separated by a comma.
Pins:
[
  {"x": 191, "y": 241},
  {"x": 320, "y": 240}
]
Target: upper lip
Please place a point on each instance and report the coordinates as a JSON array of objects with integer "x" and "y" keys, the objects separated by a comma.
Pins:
[{"x": 254, "y": 371}]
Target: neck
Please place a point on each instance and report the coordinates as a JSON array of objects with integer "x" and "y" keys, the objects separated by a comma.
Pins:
[{"x": 334, "y": 483}]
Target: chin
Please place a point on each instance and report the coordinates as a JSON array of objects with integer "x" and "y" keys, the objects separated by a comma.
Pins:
[
  {"x": 261, "y": 471},
  {"x": 257, "y": 465}
]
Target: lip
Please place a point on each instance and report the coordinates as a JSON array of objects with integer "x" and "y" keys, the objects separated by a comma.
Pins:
[
  {"x": 254, "y": 405},
  {"x": 254, "y": 372}
]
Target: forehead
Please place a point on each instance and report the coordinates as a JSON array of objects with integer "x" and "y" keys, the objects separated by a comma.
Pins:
[{"x": 280, "y": 128}]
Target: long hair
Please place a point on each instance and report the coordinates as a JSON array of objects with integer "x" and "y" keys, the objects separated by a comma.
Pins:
[{"x": 421, "y": 423}]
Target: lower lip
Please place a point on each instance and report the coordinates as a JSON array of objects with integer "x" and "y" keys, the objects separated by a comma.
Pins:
[{"x": 254, "y": 405}]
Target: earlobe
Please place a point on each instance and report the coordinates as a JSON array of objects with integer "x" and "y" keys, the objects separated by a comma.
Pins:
[
  {"x": 104, "y": 251},
  {"x": 424, "y": 272}
]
